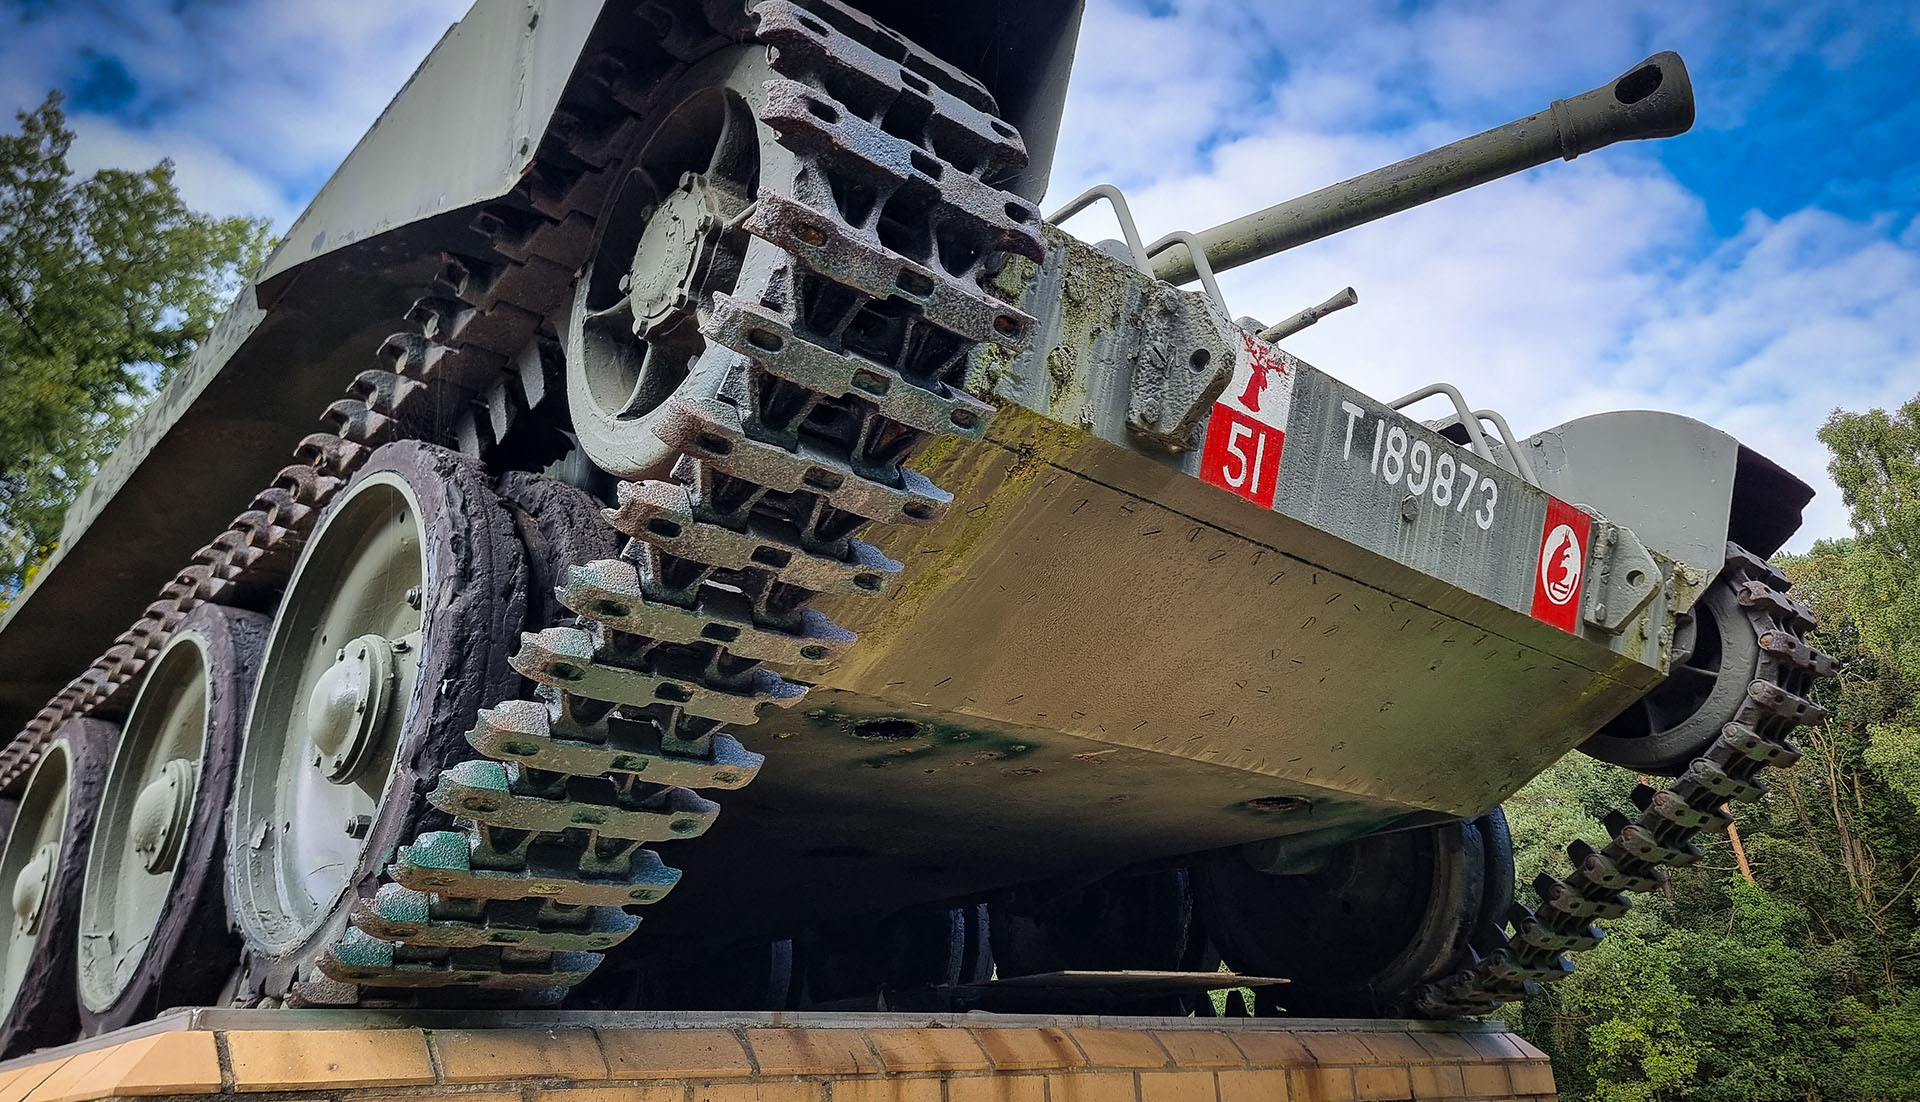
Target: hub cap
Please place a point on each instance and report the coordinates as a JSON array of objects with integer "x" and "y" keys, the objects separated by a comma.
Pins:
[
  {"x": 30, "y": 888},
  {"x": 161, "y": 813},
  {"x": 348, "y": 706}
]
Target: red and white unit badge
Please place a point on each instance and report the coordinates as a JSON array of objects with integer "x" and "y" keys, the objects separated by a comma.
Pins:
[
  {"x": 1561, "y": 570},
  {"x": 1248, "y": 425}
]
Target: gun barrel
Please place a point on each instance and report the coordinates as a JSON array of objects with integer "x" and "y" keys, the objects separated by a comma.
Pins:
[{"x": 1654, "y": 99}]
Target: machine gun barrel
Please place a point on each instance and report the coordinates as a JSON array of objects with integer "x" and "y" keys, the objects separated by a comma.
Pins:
[{"x": 1654, "y": 99}]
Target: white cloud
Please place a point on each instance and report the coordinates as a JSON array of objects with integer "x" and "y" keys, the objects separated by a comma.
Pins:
[{"x": 209, "y": 179}]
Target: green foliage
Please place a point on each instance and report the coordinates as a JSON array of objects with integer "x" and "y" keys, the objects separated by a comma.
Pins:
[
  {"x": 1805, "y": 982},
  {"x": 1893, "y": 751},
  {"x": 1876, "y": 463},
  {"x": 106, "y": 285}
]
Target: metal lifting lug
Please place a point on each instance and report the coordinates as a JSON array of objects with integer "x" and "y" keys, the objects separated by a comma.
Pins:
[
  {"x": 1622, "y": 578},
  {"x": 1182, "y": 360}
]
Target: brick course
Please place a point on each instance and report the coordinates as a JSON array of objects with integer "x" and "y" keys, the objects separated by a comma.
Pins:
[{"x": 798, "y": 1058}]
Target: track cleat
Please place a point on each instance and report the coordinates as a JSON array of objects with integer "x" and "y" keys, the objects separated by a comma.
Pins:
[
  {"x": 483, "y": 791},
  {"x": 526, "y": 731},
  {"x": 358, "y": 957},
  {"x": 713, "y": 433},
  {"x": 610, "y": 592},
  {"x": 406, "y": 916},
  {"x": 441, "y": 862},
  {"x": 662, "y": 515},
  {"x": 564, "y": 659},
  {"x": 765, "y": 337}
]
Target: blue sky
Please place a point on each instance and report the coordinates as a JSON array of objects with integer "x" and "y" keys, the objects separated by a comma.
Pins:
[{"x": 1755, "y": 273}]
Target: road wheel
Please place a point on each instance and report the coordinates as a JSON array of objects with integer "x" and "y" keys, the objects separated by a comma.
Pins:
[
  {"x": 395, "y": 630},
  {"x": 42, "y": 864},
  {"x": 153, "y": 925},
  {"x": 1359, "y": 934}
]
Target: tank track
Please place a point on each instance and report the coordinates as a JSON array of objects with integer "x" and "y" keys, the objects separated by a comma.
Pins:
[
  {"x": 1641, "y": 849},
  {"x": 808, "y": 447}
]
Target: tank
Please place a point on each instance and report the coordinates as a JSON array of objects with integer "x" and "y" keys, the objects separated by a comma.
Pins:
[{"x": 725, "y": 425}]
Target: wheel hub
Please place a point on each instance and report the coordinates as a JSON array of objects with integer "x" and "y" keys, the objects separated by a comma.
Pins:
[
  {"x": 30, "y": 888},
  {"x": 679, "y": 241},
  {"x": 161, "y": 815},
  {"x": 348, "y": 707},
  {"x": 672, "y": 237}
]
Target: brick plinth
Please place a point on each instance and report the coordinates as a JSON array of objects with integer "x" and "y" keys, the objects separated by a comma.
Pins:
[{"x": 365, "y": 1056}]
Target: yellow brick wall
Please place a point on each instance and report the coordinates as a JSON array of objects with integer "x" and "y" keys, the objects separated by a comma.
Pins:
[{"x": 965, "y": 1061}]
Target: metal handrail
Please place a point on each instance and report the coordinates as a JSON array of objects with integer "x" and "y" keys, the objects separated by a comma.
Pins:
[{"x": 1141, "y": 259}]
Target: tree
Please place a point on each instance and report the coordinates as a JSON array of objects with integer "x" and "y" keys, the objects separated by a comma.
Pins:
[
  {"x": 1803, "y": 983},
  {"x": 107, "y": 284},
  {"x": 1876, "y": 463}
]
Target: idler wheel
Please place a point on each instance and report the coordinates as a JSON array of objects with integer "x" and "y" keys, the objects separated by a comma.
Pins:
[
  {"x": 41, "y": 869},
  {"x": 153, "y": 925},
  {"x": 1374, "y": 920},
  {"x": 671, "y": 238},
  {"x": 395, "y": 630},
  {"x": 1667, "y": 728}
]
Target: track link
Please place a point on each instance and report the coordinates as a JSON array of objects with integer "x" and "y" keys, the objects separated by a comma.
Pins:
[{"x": 1641, "y": 849}]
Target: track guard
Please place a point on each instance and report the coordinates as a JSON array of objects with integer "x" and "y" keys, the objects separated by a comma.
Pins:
[{"x": 1684, "y": 488}]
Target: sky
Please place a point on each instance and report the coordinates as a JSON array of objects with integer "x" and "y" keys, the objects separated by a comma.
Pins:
[{"x": 1756, "y": 273}]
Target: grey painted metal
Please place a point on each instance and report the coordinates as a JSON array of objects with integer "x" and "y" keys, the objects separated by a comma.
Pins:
[
  {"x": 292, "y": 852},
  {"x": 461, "y": 132},
  {"x": 1523, "y": 463},
  {"x": 1463, "y": 417},
  {"x": 1286, "y": 327},
  {"x": 146, "y": 810},
  {"x": 1159, "y": 656},
  {"x": 1077, "y": 370},
  {"x": 1669, "y": 478},
  {"x": 1622, "y": 577},
  {"x": 1197, "y": 256},
  {"x": 1654, "y": 99},
  {"x": 1129, "y": 230}
]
